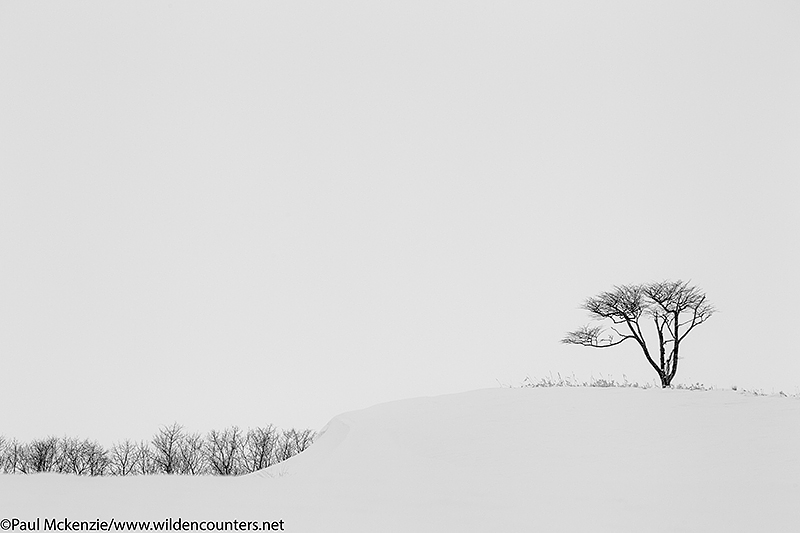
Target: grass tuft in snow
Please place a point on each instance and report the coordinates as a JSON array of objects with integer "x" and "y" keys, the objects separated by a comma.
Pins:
[{"x": 572, "y": 381}]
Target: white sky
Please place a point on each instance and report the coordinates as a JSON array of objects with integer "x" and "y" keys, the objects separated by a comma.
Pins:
[{"x": 274, "y": 212}]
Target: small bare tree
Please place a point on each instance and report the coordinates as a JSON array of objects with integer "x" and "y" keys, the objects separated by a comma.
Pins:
[
  {"x": 3, "y": 455},
  {"x": 144, "y": 461},
  {"x": 192, "y": 461},
  {"x": 301, "y": 438},
  {"x": 292, "y": 442},
  {"x": 259, "y": 449},
  {"x": 284, "y": 448},
  {"x": 122, "y": 458},
  {"x": 72, "y": 459},
  {"x": 224, "y": 451},
  {"x": 42, "y": 455},
  {"x": 96, "y": 458},
  {"x": 167, "y": 449},
  {"x": 674, "y": 308},
  {"x": 15, "y": 458}
]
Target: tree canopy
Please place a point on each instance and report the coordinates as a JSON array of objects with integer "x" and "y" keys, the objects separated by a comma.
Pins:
[{"x": 674, "y": 308}]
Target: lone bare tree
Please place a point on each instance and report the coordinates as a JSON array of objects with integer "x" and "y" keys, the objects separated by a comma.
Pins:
[{"x": 674, "y": 307}]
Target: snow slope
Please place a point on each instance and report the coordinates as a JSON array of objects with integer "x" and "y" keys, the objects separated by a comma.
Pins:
[{"x": 546, "y": 459}]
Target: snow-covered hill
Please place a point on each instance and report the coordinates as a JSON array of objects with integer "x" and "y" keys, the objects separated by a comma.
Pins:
[{"x": 542, "y": 459}]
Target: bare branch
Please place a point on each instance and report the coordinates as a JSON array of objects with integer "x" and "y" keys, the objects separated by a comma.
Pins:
[{"x": 590, "y": 336}]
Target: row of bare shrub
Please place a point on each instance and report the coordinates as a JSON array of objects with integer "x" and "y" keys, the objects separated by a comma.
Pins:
[{"x": 228, "y": 452}]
